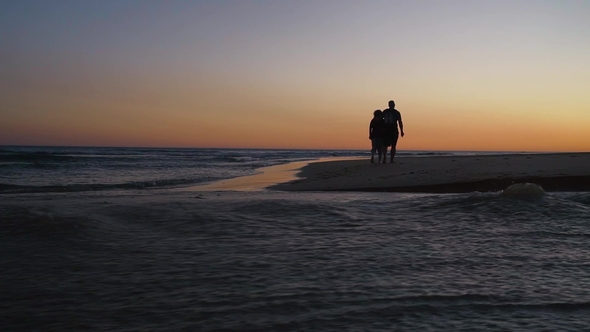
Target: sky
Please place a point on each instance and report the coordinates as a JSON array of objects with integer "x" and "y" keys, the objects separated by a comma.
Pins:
[{"x": 483, "y": 75}]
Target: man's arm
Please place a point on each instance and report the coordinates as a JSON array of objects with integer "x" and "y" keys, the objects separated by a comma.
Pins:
[{"x": 401, "y": 125}]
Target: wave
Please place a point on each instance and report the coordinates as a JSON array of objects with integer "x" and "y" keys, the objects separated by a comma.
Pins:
[
  {"x": 234, "y": 159},
  {"x": 523, "y": 190},
  {"x": 18, "y": 189},
  {"x": 36, "y": 157}
]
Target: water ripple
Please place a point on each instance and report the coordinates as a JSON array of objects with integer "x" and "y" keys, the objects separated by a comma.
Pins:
[{"x": 300, "y": 262}]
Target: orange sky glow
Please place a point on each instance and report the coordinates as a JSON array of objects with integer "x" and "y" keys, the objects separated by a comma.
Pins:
[{"x": 479, "y": 76}]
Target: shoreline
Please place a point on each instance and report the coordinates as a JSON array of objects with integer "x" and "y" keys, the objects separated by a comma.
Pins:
[
  {"x": 267, "y": 178},
  {"x": 549, "y": 184}
]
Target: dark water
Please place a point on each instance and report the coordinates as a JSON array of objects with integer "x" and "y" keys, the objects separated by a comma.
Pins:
[{"x": 271, "y": 261}]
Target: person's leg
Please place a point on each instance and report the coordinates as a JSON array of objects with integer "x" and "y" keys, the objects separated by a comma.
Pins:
[
  {"x": 380, "y": 150},
  {"x": 393, "y": 146},
  {"x": 373, "y": 149},
  {"x": 386, "y": 143}
]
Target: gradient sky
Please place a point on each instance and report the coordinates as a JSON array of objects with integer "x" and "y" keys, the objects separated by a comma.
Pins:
[{"x": 466, "y": 75}]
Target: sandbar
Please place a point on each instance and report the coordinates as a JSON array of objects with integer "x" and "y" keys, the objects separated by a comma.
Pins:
[{"x": 446, "y": 174}]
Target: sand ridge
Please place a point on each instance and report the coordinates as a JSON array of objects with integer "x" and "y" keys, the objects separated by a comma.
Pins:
[{"x": 553, "y": 171}]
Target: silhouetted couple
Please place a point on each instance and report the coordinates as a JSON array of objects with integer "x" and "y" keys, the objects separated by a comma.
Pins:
[{"x": 383, "y": 132}]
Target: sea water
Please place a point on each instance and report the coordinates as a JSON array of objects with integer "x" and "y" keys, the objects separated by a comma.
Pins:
[{"x": 102, "y": 240}]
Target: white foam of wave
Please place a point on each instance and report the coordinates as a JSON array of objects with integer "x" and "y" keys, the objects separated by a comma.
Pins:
[{"x": 523, "y": 190}]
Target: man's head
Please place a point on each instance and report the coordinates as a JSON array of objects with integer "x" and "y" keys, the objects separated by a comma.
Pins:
[{"x": 391, "y": 104}]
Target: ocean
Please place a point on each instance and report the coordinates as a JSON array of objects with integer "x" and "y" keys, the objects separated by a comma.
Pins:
[{"x": 119, "y": 239}]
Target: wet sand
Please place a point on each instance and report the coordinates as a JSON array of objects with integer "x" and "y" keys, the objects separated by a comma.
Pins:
[{"x": 268, "y": 177}]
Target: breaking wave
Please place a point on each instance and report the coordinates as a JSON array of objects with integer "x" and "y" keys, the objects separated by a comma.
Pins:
[
  {"x": 16, "y": 189},
  {"x": 523, "y": 190}
]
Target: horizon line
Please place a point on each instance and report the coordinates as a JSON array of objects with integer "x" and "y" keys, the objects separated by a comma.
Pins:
[{"x": 254, "y": 148}]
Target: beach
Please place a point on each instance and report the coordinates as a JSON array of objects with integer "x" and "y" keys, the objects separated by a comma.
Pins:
[
  {"x": 211, "y": 166},
  {"x": 451, "y": 174}
]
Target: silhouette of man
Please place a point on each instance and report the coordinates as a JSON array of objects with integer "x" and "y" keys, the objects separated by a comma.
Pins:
[{"x": 392, "y": 117}]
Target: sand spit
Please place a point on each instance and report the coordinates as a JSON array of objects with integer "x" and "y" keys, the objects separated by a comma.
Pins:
[{"x": 447, "y": 174}]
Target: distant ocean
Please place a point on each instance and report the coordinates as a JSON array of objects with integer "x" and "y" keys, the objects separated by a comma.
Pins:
[{"x": 101, "y": 239}]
